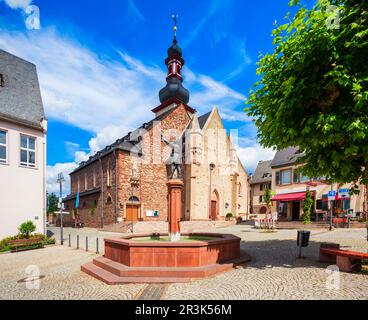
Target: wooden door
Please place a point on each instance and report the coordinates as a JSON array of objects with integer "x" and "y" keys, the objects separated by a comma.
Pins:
[
  {"x": 296, "y": 211},
  {"x": 214, "y": 210},
  {"x": 132, "y": 213}
]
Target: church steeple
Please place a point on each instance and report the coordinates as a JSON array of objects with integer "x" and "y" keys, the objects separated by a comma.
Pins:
[{"x": 174, "y": 88}]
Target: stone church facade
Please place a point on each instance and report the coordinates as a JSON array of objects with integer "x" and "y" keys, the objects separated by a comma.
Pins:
[{"x": 127, "y": 180}]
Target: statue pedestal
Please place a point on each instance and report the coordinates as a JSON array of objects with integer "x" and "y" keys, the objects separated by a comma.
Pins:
[{"x": 175, "y": 187}]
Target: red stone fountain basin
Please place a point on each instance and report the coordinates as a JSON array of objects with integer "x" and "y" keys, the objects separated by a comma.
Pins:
[
  {"x": 127, "y": 260},
  {"x": 132, "y": 253}
]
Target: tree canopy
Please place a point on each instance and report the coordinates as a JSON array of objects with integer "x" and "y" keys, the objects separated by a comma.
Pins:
[
  {"x": 313, "y": 89},
  {"x": 52, "y": 203}
]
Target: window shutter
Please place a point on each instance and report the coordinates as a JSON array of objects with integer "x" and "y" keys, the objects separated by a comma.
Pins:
[
  {"x": 296, "y": 177},
  {"x": 347, "y": 204},
  {"x": 324, "y": 203},
  {"x": 278, "y": 178}
]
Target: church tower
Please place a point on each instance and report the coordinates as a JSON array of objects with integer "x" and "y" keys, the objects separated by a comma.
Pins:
[
  {"x": 174, "y": 88},
  {"x": 174, "y": 92}
]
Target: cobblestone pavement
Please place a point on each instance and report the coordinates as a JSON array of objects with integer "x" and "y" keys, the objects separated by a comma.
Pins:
[
  {"x": 274, "y": 272},
  {"x": 62, "y": 280}
]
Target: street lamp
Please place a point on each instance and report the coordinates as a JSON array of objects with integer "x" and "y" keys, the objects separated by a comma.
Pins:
[
  {"x": 212, "y": 167},
  {"x": 61, "y": 180}
]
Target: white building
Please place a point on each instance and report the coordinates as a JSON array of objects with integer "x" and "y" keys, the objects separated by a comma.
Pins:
[{"x": 23, "y": 129}]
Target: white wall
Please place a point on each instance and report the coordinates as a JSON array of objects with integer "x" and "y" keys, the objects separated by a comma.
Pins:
[{"x": 22, "y": 190}]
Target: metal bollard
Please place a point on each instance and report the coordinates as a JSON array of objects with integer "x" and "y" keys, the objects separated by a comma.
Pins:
[
  {"x": 86, "y": 243},
  {"x": 78, "y": 241},
  {"x": 70, "y": 241},
  {"x": 97, "y": 251}
]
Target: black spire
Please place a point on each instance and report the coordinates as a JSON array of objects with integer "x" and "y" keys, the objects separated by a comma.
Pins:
[{"x": 174, "y": 87}]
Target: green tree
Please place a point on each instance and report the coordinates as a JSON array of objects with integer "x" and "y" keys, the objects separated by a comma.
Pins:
[
  {"x": 307, "y": 208},
  {"x": 27, "y": 228},
  {"x": 267, "y": 200},
  {"x": 52, "y": 203},
  {"x": 313, "y": 91}
]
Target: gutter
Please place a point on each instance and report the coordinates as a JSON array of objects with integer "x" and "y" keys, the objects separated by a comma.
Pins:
[
  {"x": 21, "y": 122},
  {"x": 102, "y": 196},
  {"x": 116, "y": 186}
]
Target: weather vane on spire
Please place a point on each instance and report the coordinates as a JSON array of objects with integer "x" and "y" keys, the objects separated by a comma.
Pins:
[{"x": 175, "y": 17}]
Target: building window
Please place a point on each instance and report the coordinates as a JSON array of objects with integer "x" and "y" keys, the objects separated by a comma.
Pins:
[
  {"x": 108, "y": 174},
  {"x": 85, "y": 181},
  {"x": 265, "y": 186},
  {"x": 319, "y": 205},
  {"x": 283, "y": 177},
  {"x": 94, "y": 178},
  {"x": 303, "y": 178},
  {"x": 300, "y": 178},
  {"x": 3, "y": 147},
  {"x": 240, "y": 190},
  {"x": 2, "y": 83},
  {"x": 27, "y": 151},
  {"x": 260, "y": 199}
]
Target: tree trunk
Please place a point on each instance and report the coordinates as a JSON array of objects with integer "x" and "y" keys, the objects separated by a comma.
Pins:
[{"x": 365, "y": 206}]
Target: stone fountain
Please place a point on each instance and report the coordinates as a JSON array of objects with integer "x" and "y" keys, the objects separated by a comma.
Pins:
[{"x": 167, "y": 258}]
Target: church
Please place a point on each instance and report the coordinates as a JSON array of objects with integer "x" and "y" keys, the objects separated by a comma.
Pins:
[{"x": 127, "y": 180}]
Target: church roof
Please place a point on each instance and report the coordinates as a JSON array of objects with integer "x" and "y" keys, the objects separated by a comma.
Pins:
[
  {"x": 126, "y": 143},
  {"x": 203, "y": 119},
  {"x": 20, "y": 95}
]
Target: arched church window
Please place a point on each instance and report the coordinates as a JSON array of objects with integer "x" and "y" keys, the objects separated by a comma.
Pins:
[
  {"x": 109, "y": 199},
  {"x": 133, "y": 199}
]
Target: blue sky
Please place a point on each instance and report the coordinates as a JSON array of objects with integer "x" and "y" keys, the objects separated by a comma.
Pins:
[{"x": 101, "y": 65}]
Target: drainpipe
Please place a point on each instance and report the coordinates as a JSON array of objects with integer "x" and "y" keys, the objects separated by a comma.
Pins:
[
  {"x": 116, "y": 186},
  {"x": 102, "y": 195},
  {"x": 44, "y": 189}
]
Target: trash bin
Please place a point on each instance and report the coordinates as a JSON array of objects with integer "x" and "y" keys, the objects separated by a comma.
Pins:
[{"x": 303, "y": 238}]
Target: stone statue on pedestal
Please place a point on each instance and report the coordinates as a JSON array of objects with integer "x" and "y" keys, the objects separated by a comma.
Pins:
[{"x": 175, "y": 158}]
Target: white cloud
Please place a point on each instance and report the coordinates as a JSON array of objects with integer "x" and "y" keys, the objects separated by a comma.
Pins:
[
  {"x": 251, "y": 155},
  {"x": 52, "y": 174},
  {"x": 133, "y": 7},
  {"x": 18, "y": 4},
  {"x": 105, "y": 96}
]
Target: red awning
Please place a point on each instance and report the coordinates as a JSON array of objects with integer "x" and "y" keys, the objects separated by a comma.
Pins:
[{"x": 290, "y": 196}]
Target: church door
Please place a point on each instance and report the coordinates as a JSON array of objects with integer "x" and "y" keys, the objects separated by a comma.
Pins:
[
  {"x": 132, "y": 213},
  {"x": 214, "y": 210},
  {"x": 214, "y": 205}
]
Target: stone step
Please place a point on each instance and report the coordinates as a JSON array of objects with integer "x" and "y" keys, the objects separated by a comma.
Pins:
[
  {"x": 111, "y": 279},
  {"x": 112, "y": 272}
]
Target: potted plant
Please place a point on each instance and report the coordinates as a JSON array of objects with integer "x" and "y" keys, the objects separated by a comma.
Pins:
[{"x": 229, "y": 216}]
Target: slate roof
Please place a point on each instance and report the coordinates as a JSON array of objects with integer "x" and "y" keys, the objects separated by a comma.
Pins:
[
  {"x": 20, "y": 97},
  {"x": 263, "y": 172},
  {"x": 126, "y": 143},
  {"x": 285, "y": 157},
  {"x": 203, "y": 119},
  {"x": 130, "y": 140}
]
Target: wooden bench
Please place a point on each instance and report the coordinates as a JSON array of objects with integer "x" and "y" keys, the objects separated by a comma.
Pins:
[
  {"x": 347, "y": 261},
  {"x": 17, "y": 245}
]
